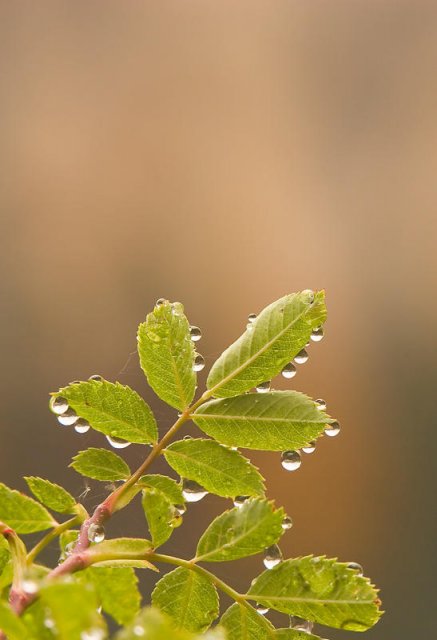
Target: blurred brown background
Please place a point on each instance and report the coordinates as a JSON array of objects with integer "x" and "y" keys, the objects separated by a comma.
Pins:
[{"x": 223, "y": 154}]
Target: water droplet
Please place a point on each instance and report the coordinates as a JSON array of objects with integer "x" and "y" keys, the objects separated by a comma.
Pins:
[
  {"x": 187, "y": 437},
  {"x": 117, "y": 443},
  {"x": 29, "y": 586},
  {"x": 289, "y": 371},
  {"x": 68, "y": 418},
  {"x": 300, "y": 624},
  {"x": 195, "y": 333},
  {"x": 287, "y": 523},
  {"x": 356, "y": 567},
  {"x": 96, "y": 377},
  {"x": 332, "y": 429},
  {"x": 309, "y": 293},
  {"x": 291, "y": 460},
  {"x": 192, "y": 491},
  {"x": 180, "y": 508},
  {"x": 240, "y": 500},
  {"x": 69, "y": 548},
  {"x": 301, "y": 357},
  {"x": 321, "y": 404},
  {"x": 92, "y": 634},
  {"x": 81, "y": 426},
  {"x": 59, "y": 405},
  {"x": 263, "y": 387},
  {"x": 138, "y": 630},
  {"x": 160, "y": 302},
  {"x": 49, "y": 623},
  {"x": 96, "y": 533},
  {"x": 199, "y": 363},
  {"x": 309, "y": 448},
  {"x": 251, "y": 317},
  {"x": 317, "y": 334},
  {"x": 273, "y": 557},
  {"x": 262, "y": 609},
  {"x": 176, "y": 520}
]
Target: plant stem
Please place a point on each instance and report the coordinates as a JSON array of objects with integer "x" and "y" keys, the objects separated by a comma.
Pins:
[{"x": 54, "y": 533}]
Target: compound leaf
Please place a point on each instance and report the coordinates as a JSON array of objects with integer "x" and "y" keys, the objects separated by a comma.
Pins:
[
  {"x": 321, "y": 590},
  {"x": 278, "y": 334},
  {"x": 51, "y": 494},
  {"x": 167, "y": 354},
  {"x": 100, "y": 464},
  {"x": 112, "y": 409},
  {"x": 273, "y": 421},
  {"x": 244, "y": 623},
  {"x": 190, "y": 599},
  {"x": 216, "y": 468},
  {"x": 240, "y": 532},
  {"x": 21, "y": 513}
]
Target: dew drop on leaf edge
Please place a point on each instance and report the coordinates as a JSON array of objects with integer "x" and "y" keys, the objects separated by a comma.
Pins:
[
  {"x": 195, "y": 333},
  {"x": 117, "y": 443},
  {"x": 287, "y": 523},
  {"x": 199, "y": 363},
  {"x": 261, "y": 609},
  {"x": 58, "y": 405},
  {"x": 81, "y": 426},
  {"x": 272, "y": 557},
  {"x": 332, "y": 429},
  {"x": 263, "y": 387},
  {"x": 192, "y": 491},
  {"x": 301, "y": 357},
  {"x": 240, "y": 500},
  {"x": 291, "y": 460},
  {"x": 356, "y": 567},
  {"x": 321, "y": 404},
  {"x": 317, "y": 334},
  {"x": 96, "y": 377},
  {"x": 310, "y": 447},
  {"x": 289, "y": 371},
  {"x": 68, "y": 418}
]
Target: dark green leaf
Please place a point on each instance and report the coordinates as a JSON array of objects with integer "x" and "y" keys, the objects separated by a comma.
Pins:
[
  {"x": 216, "y": 468},
  {"x": 273, "y": 421},
  {"x": 100, "y": 464},
  {"x": 161, "y": 515},
  {"x": 319, "y": 589},
  {"x": 167, "y": 354},
  {"x": 113, "y": 409},
  {"x": 244, "y": 623},
  {"x": 11, "y": 624},
  {"x": 240, "y": 532},
  {"x": 187, "y": 597},
  {"x": 51, "y": 494},
  {"x": 118, "y": 592},
  {"x": 278, "y": 334},
  {"x": 168, "y": 486},
  {"x": 22, "y": 513}
]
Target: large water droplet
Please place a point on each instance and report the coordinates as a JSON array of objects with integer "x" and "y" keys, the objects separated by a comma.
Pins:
[
  {"x": 192, "y": 491},
  {"x": 195, "y": 333},
  {"x": 199, "y": 363},
  {"x": 261, "y": 609},
  {"x": 291, "y": 460},
  {"x": 160, "y": 302},
  {"x": 356, "y": 567},
  {"x": 68, "y": 418},
  {"x": 58, "y": 405},
  {"x": 96, "y": 377},
  {"x": 251, "y": 318},
  {"x": 96, "y": 533},
  {"x": 82, "y": 426},
  {"x": 263, "y": 387},
  {"x": 29, "y": 586},
  {"x": 317, "y": 334},
  {"x": 287, "y": 523},
  {"x": 92, "y": 634},
  {"x": 309, "y": 448},
  {"x": 180, "y": 508},
  {"x": 332, "y": 429},
  {"x": 289, "y": 371},
  {"x": 240, "y": 500},
  {"x": 300, "y": 624},
  {"x": 301, "y": 357},
  {"x": 321, "y": 404},
  {"x": 273, "y": 557},
  {"x": 117, "y": 443},
  {"x": 309, "y": 293}
]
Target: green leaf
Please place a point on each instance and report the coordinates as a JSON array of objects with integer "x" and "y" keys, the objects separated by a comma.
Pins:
[
  {"x": 118, "y": 592},
  {"x": 4, "y": 554},
  {"x": 161, "y": 515},
  {"x": 111, "y": 552},
  {"x": 240, "y": 532},
  {"x": 244, "y": 623},
  {"x": 167, "y": 354},
  {"x": 11, "y": 624},
  {"x": 169, "y": 487},
  {"x": 319, "y": 589},
  {"x": 100, "y": 464},
  {"x": 190, "y": 599},
  {"x": 73, "y": 609},
  {"x": 112, "y": 409},
  {"x": 51, "y": 494},
  {"x": 216, "y": 468},
  {"x": 22, "y": 513},
  {"x": 294, "y": 634},
  {"x": 35, "y": 619},
  {"x": 278, "y": 334},
  {"x": 154, "y": 625},
  {"x": 274, "y": 421}
]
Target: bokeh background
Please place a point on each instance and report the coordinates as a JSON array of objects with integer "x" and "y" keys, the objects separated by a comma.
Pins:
[{"x": 223, "y": 154}]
